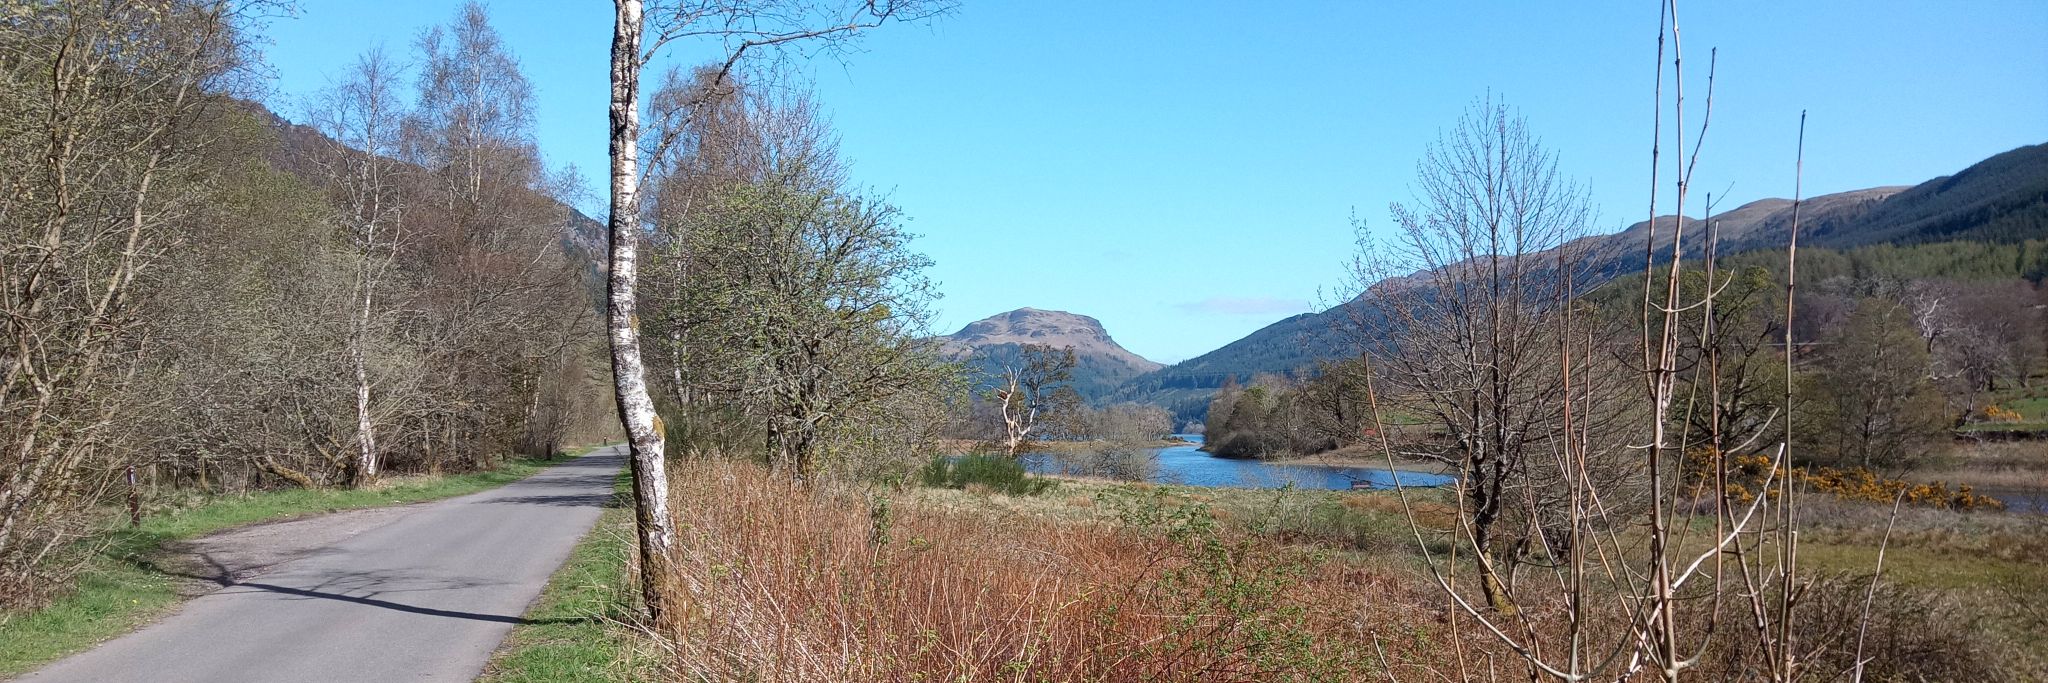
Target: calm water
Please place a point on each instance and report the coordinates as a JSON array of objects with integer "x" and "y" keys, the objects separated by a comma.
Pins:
[
  {"x": 1186, "y": 465},
  {"x": 2020, "y": 500}
]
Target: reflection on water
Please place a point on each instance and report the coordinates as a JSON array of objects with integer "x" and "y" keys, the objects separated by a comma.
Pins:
[{"x": 1186, "y": 465}]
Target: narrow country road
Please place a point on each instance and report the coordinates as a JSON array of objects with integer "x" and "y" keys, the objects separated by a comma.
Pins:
[{"x": 426, "y": 597}]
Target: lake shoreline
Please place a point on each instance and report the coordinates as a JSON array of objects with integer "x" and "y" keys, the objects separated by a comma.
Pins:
[
  {"x": 1185, "y": 464},
  {"x": 1350, "y": 456}
]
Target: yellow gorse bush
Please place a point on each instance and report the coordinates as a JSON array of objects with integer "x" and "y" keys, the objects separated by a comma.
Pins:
[
  {"x": 1997, "y": 414},
  {"x": 1751, "y": 471}
]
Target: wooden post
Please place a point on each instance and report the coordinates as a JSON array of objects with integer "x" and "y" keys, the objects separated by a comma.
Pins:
[{"x": 134, "y": 500}]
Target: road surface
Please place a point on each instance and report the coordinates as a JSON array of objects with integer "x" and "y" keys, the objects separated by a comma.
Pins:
[{"x": 425, "y": 597}]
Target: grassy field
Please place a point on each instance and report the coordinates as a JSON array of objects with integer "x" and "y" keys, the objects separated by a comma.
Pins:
[
  {"x": 2029, "y": 404},
  {"x": 577, "y": 631},
  {"x": 1115, "y": 580},
  {"x": 119, "y": 590},
  {"x": 1096, "y": 580}
]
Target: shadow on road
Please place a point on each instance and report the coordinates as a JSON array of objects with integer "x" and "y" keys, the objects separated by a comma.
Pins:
[
  {"x": 574, "y": 500},
  {"x": 402, "y": 607},
  {"x": 218, "y": 574},
  {"x": 224, "y": 577}
]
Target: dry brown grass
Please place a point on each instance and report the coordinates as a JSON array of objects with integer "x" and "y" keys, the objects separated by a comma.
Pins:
[
  {"x": 794, "y": 585},
  {"x": 1149, "y": 583},
  {"x": 2008, "y": 466}
]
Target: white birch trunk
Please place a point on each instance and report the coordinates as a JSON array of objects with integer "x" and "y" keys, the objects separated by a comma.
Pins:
[
  {"x": 366, "y": 433},
  {"x": 636, "y": 408}
]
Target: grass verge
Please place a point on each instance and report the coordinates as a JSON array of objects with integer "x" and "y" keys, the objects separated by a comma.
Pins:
[
  {"x": 575, "y": 630},
  {"x": 117, "y": 592}
]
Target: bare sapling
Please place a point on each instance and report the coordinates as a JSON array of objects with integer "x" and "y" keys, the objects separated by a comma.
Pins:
[{"x": 1638, "y": 583}]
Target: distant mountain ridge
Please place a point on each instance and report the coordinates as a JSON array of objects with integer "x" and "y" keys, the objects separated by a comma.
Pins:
[
  {"x": 2002, "y": 199},
  {"x": 991, "y": 343}
]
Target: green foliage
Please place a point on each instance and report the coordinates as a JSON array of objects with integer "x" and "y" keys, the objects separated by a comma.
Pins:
[
  {"x": 998, "y": 473},
  {"x": 1969, "y": 261},
  {"x": 1285, "y": 346},
  {"x": 1276, "y": 417},
  {"x": 787, "y": 297},
  {"x": 1870, "y": 404}
]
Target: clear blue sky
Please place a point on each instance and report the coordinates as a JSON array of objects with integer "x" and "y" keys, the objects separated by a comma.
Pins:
[{"x": 1185, "y": 171}]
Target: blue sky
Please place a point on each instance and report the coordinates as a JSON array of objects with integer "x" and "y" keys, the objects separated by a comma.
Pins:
[{"x": 1185, "y": 171}]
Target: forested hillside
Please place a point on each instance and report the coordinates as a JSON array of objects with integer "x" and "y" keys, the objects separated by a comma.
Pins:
[
  {"x": 215, "y": 300},
  {"x": 1284, "y": 347},
  {"x": 1985, "y": 222},
  {"x": 2001, "y": 200}
]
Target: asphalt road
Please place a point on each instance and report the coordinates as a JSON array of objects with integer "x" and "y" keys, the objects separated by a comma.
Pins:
[{"x": 426, "y": 597}]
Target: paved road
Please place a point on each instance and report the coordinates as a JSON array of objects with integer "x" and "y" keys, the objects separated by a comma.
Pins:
[{"x": 426, "y": 597}]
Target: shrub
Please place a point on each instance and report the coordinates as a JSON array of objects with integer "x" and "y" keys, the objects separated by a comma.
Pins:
[
  {"x": 1747, "y": 472},
  {"x": 1997, "y": 414},
  {"x": 998, "y": 473},
  {"x": 1911, "y": 635}
]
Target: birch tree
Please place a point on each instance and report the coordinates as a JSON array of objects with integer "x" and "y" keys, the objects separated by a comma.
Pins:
[
  {"x": 497, "y": 299},
  {"x": 360, "y": 117},
  {"x": 739, "y": 29}
]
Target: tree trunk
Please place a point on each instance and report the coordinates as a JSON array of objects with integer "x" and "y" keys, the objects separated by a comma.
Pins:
[
  {"x": 636, "y": 408},
  {"x": 366, "y": 434},
  {"x": 270, "y": 465}
]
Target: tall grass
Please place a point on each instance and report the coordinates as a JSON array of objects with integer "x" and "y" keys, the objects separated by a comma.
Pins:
[
  {"x": 787, "y": 584},
  {"x": 1147, "y": 583}
]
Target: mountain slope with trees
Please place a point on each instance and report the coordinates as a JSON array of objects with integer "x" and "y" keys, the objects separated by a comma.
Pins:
[{"x": 1981, "y": 219}]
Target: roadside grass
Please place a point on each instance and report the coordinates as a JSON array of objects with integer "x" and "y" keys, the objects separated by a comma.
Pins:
[
  {"x": 575, "y": 630},
  {"x": 119, "y": 590}
]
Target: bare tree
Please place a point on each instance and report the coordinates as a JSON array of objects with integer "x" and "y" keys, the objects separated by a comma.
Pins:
[
  {"x": 104, "y": 104},
  {"x": 1123, "y": 440},
  {"x": 1649, "y": 589},
  {"x": 1468, "y": 340},
  {"x": 494, "y": 299}
]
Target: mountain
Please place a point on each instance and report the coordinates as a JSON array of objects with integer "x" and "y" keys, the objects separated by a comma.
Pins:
[
  {"x": 2002, "y": 199},
  {"x": 1282, "y": 347},
  {"x": 994, "y": 342}
]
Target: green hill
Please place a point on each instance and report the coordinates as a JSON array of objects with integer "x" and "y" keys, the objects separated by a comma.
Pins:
[{"x": 1989, "y": 220}]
